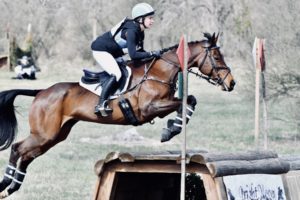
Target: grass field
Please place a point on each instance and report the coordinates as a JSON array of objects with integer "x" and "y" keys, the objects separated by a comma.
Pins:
[{"x": 222, "y": 122}]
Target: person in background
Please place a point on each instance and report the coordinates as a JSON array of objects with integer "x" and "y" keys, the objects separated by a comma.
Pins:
[
  {"x": 25, "y": 69},
  {"x": 127, "y": 37}
]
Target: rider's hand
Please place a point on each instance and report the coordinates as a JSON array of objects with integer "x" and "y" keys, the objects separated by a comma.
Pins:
[{"x": 156, "y": 54}]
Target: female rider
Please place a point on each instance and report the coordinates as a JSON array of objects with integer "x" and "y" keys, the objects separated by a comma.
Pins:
[{"x": 126, "y": 37}]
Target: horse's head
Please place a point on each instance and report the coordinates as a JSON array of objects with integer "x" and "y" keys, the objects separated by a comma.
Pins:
[{"x": 210, "y": 62}]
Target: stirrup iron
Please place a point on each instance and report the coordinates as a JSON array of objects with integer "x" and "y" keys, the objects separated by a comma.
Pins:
[{"x": 104, "y": 110}]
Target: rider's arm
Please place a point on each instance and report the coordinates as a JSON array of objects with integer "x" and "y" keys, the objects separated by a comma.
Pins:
[{"x": 131, "y": 45}]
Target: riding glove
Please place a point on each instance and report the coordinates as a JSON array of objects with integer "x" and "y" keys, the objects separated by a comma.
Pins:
[{"x": 156, "y": 54}]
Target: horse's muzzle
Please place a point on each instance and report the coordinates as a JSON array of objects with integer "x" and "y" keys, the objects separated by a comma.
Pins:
[{"x": 231, "y": 86}]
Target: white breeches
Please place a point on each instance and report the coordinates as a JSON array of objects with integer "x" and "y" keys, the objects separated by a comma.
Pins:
[
  {"x": 21, "y": 71},
  {"x": 108, "y": 63}
]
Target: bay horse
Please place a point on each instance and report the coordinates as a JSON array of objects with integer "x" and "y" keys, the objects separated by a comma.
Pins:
[{"x": 57, "y": 109}]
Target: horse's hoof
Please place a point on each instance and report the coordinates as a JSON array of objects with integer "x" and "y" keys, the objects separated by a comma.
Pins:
[
  {"x": 4, "y": 194},
  {"x": 168, "y": 134},
  {"x": 165, "y": 135}
]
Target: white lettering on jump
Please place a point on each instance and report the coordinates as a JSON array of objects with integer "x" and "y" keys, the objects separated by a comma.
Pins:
[
  {"x": 251, "y": 187},
  {"x": 257, "y": 192}
]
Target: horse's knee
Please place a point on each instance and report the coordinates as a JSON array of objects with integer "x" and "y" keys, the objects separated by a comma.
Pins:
[
  {"x": 31, "y": 147},
  {"x": 14, "y": 154}
]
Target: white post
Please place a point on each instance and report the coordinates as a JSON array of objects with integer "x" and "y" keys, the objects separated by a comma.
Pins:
[
  {"x": 257, "y": 95},
  {"x": 265, "y": 111},
  {"x": 184, "y": 107},
  {"x": 257, "y": 81}
]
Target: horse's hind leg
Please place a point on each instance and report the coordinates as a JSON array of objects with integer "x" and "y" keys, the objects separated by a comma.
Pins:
[
  {"x": 26, "y": 151},
  {"x": 11, "y": 168}
]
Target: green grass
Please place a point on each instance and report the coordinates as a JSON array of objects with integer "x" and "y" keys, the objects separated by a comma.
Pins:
[{"x": 222, "y": 122}]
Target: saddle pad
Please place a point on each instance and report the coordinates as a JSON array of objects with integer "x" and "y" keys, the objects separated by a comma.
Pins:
[{"x": 96, "y": 88}]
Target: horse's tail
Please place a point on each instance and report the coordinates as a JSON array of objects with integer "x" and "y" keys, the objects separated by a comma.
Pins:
[{"x": 8, "y": 120}]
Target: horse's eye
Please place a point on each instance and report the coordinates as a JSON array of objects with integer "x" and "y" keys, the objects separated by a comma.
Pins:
[{"x": 217, "y": 58}]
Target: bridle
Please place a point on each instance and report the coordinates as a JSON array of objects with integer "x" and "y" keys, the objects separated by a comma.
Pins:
[
  {"x": 214, "y": 81},
  {"x": 208, "y": 78},
  {"x": 172, "y": 85}
]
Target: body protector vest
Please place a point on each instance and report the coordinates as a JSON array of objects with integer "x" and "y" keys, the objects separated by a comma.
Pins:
[{"x": 116, "y": 34}]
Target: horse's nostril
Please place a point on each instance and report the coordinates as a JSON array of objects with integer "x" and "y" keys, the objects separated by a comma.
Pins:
[{"x": 232, "y": 83}]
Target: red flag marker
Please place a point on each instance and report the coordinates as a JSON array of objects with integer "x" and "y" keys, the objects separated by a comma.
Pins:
[{"x": 180, "y": 52}]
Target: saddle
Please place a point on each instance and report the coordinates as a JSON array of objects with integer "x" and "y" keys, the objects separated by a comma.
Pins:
[{"x": 93, "y": 81}]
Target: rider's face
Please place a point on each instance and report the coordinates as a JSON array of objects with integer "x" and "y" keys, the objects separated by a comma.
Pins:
[{"x": 149, "y": 20}]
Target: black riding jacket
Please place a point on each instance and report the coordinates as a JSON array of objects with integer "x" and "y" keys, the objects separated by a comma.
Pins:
[{"x": 134, "y": 36}]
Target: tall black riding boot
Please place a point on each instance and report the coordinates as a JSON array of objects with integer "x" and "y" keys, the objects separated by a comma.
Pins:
[{"x": 102, "y": 108}]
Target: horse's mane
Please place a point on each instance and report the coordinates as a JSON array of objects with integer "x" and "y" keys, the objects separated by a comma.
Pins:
[
  {"x": 211, "y": 39},
  {"x": 176, "y": 46}
]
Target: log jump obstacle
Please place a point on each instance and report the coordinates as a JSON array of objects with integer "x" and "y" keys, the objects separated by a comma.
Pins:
[{"x": 156, "y": 175}]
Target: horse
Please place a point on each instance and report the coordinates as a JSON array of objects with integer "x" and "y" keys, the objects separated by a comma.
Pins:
[{"x": 151, "y": 93}]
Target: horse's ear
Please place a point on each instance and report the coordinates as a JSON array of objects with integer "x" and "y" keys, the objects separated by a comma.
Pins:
[
  {"x": 207, "y": 35},
  {"x": 216, "y": 39},
  {"x": 213, "y": 39}
]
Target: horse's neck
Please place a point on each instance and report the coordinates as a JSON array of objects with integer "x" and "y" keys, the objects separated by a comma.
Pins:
[
  {"x": 160, "y": 70},
  {"x": 196, "y": 54},
  {"x": 167, "y": 67},
  {"x": 194, "y": 49}
]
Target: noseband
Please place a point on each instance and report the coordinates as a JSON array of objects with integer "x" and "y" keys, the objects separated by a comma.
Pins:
[{"x": 214, "y": 67}]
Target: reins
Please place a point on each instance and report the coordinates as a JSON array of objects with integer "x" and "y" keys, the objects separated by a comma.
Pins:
[
  {"x": 145, "y": 77},
  {"x": 208, "y": 77}
]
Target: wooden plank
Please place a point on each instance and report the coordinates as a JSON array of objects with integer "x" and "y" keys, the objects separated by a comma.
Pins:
[
  {"x": 147, "y": 168},
  {"x": 210, "y": 187},
  {"x": 294, "y": 161},
  {"x": 126, "y": 157},
  {"x": 221, "y": 190},
  {"x": 293, "y": 184},
  {"x": 97, "y": 189},
  {"x": 266, "y": 166},
  {"x": 112, "y": 156},
  {"x": 250, "y": 155},
  {"x": 290, "y": 157},
  {"x": 158, "y": 157},
  {"x": 98, "y": 168},
  {"x": 106, "y": 185},
  {"x": 295, "y": 165},
  {"x": 285, "y": 186}
]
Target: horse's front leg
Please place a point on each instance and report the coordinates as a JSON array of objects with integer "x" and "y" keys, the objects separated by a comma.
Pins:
[
  {"x": 161, "y": 108},
  {"x": 174, "y": 127}
]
